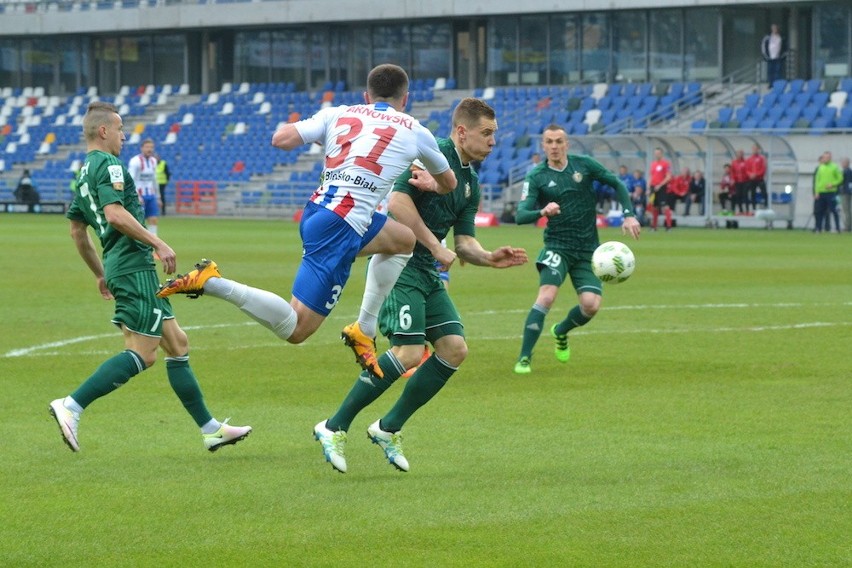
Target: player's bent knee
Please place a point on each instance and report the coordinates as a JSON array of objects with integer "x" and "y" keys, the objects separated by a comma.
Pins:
[
  {"x": 409, "y": 355},
  {"x": 452, "y": 349}
]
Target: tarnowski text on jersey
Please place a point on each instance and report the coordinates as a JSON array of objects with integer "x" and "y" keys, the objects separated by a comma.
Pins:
[
  {"x": 393, "y": 118},
  {"x": 350, "y": 179}
]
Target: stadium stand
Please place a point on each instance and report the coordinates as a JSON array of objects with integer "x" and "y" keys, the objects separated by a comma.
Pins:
[{"x": 224, "y": 136}]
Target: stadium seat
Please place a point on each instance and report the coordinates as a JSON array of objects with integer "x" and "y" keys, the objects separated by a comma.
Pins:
[
  {"x": 725, "y": 114},
  {"x": 802, "y": 99},
  {"x": 828, "y": 113},
  {"x": 837, "y": 99},
  {"x": 795, "y": 86},
  {"x": 599, "y": 90},
  {"x": 820, "y": 99},
  {"x": 742, "y": 113},
  {"x": 592, "y": 117}
]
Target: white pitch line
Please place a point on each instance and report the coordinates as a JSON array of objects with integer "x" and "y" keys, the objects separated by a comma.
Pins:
[
  {"x": 23, "y": 352},
  {"x": 42, "y": 350}
]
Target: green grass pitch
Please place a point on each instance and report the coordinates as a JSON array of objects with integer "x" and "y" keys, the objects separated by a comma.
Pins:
[{"x": 703, "y": 420}]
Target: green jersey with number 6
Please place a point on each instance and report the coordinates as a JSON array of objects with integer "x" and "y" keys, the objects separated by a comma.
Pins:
[
  {"x": 575, "y": 228},
  {"x": 103, "y": 180}
]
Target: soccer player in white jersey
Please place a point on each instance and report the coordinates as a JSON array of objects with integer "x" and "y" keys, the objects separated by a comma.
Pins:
[
  {"x": 143, "y": 170},
  {"x": 367, "y": 147}
]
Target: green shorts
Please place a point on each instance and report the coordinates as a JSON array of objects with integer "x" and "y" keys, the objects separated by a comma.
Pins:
[
  {"x": 555, "y": 264},
  {"x": 419, "y": 309},
  {"x": 137, "y": 305}
]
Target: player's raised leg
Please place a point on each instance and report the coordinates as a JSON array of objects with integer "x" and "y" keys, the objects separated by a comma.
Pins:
[{"x": 390, "y": 248}]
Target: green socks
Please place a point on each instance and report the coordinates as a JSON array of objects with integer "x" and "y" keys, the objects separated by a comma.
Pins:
[
  {"x": 532, "y": 329},
  {"x": 424, "y": 384},
  {"x": 365, "y": 390},
  {"x": 575, "y": 319},
  {"x": 112, "y": 373},
  {"x": 186, "y": 387}
]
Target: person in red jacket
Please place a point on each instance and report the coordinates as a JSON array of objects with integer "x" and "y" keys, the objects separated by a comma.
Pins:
[
  {"x": 756, "y": 171},
  {"x": 679, "y": 187},
  {"x": 739, "y": 172},
  {"x": 659, "y": 198}
]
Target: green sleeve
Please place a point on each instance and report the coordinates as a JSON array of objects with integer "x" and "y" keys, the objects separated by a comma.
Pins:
[
  {"x": 529, "y": 210},
  {"x": 466, "y": 223},
  {"x": 401, "y": 184},
  {"x": 74, "y": 212}
]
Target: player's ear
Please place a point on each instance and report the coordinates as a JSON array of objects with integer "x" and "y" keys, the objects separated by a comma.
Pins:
[
  {"x": 367, "y": 97},
  {"x": 404, "y": 101}
]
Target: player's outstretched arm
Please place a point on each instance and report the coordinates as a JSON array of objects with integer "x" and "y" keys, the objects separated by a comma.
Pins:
[{"x": 470, "y": 250}]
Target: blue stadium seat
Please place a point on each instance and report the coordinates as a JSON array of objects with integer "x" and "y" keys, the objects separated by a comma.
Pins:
[
  {"x": 813, "y": 86},
  {"x": 769, "y": 99},
  {"x": 820, "y": 98},
  {"x": 699, "y": 126},
  {"x": 810, "y": 112},
  {"x": 752, "y": 100},
  {"x": 742, "y": 113},
  {"x": 828, "y": 113},
  {"x": 779, "y": 86},
  {"x": 725, "y": 114},
  {"x": 792, "y": 113},
  {"x": 758, "y": 113},
  {"x": 795, "y": 86},
  {"x": 802, "y": 99}
]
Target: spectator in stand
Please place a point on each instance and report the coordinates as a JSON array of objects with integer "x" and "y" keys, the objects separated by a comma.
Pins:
[
  {"x": 535, "y": 160},
  {"x": 756, "y": 172},
  {"x": 26, "y": 191},
  {"x": 638, "y": 195},
  {"x": 605, "y": 196},
  {"x": 727, "y": 190},
  {"x": 846, "y": 194},
  {"x": 679, "y": 187},
  {"x": 739, "y": 170},
  {"x": 697, "y": 189},
  {"x": 773, "y": 48},
  {"x": 625, "y": 177},
  {"x": 659, "y": 177},
  {"x": 827, "y": 179}
]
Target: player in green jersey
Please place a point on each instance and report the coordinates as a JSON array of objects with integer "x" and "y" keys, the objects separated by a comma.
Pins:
[
  {"x": 105, "y": 199},
  {"x": 419, "y": 308},
  {"x": 561, "y": 189}
]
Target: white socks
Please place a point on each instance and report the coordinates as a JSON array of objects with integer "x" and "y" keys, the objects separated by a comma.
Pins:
[
  {"x": 268, "y": 309},
  {"x": 382, "y": 273},
  {"x": 72, "y": 405},
  {"x": 211, "y": 427}
]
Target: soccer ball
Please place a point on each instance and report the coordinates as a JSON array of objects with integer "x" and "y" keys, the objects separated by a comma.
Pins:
[{"x": 613, "y": 262}]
